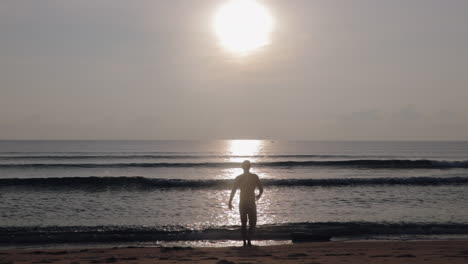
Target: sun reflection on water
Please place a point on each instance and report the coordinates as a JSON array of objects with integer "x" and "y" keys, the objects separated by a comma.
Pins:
[
  {"x": 238, "y": 151},
  {"x": 244, "y": 149},
  {"x": 267, "y": 209}
]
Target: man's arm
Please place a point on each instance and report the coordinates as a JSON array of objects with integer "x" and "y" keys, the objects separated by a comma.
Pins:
[
  {"x": 233, "y": 192},
  {"x": 260, "y": 188}
]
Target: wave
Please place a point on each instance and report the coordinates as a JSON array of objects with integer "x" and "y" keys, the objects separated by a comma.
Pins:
[
  {"x": 141, "y": 183},
  {"x": 114, "y": 234},
  {"x": 362, "y": 163}
]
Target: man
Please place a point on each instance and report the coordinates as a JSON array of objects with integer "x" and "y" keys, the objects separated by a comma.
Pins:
[{"x": 247, "y": 182}]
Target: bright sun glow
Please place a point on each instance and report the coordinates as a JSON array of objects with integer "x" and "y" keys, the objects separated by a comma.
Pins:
[
  {"x": 243, "y": 25},
  {"x": 244, "y": 148}
]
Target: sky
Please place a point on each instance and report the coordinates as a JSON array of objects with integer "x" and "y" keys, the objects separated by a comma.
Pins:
[{"x": 333, "y": 70}]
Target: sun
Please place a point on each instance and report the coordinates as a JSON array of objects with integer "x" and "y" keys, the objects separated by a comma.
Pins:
[{"x": 243, "y": 25}]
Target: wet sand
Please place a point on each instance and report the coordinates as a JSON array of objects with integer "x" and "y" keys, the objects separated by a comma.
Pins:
[{"x": 375, "y": 252}]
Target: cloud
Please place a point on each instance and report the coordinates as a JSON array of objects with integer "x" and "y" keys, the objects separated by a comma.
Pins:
[{"x": 408, "y": 113}]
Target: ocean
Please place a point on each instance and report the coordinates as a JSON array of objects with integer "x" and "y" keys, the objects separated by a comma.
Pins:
[{"x": 153, "y": 191}]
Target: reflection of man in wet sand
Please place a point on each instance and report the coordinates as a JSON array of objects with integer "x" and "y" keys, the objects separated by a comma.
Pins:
[{"x": 247, "y": 182}]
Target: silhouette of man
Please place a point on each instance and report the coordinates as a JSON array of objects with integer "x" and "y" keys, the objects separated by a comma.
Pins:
[{"x": 247, "y": 182}]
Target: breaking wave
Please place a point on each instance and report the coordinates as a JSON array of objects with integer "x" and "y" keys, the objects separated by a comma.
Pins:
[
  {"x": 368, "y": 163},
  {"x": 96, "y": 183}
]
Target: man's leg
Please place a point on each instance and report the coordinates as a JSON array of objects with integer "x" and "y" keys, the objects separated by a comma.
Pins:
[
  {"x": 252, "y": 223},
  {"x": 243, "y": 217}
]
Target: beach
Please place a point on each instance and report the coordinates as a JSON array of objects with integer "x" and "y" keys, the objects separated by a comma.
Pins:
[
  {"x": 311, "y": 253},
  {"x": 233, "y": 132}
]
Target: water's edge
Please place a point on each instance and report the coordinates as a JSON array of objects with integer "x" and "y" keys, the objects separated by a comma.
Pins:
[{"x": 316, "y": 231}]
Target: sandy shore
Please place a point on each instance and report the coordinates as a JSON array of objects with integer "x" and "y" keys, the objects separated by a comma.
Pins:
[{"x": 452, "y": 252}]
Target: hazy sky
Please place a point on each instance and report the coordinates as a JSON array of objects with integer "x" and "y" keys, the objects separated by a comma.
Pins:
[{"x": 334, "y": 70}]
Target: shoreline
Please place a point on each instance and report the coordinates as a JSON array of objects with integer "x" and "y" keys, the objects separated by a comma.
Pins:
[
  {"x": 434, "y": 251},
  {"x": 225, "y": 243},
  {"x": 296, "y": 232}
]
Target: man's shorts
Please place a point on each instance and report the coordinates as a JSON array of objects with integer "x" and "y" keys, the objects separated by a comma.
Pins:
[{"x": 250, "y": 210}]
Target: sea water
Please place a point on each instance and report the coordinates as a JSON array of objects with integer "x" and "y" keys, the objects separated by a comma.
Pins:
[{"x": 178, "y": 189}]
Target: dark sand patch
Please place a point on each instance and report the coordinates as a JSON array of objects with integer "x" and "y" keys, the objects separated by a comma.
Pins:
[
  {"x": 44, "y": 261},
  {"x": 380, "y": 256},
  {"x": 223, "y": 261},
  {"x": 455, "y": 256},
  {"x": 406, "y": 256},
  {"x": 132, "y": 258},
  {"x": 58, "y": 253},
  {"x": 111, "y": 260},
  {"x": 338, "y": 254}
]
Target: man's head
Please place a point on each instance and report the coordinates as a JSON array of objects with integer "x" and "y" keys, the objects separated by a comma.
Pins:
[{"x": 246, "y": 165}]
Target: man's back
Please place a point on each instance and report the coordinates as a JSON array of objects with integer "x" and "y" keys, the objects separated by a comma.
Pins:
[{"x": 247, "y": 182}]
